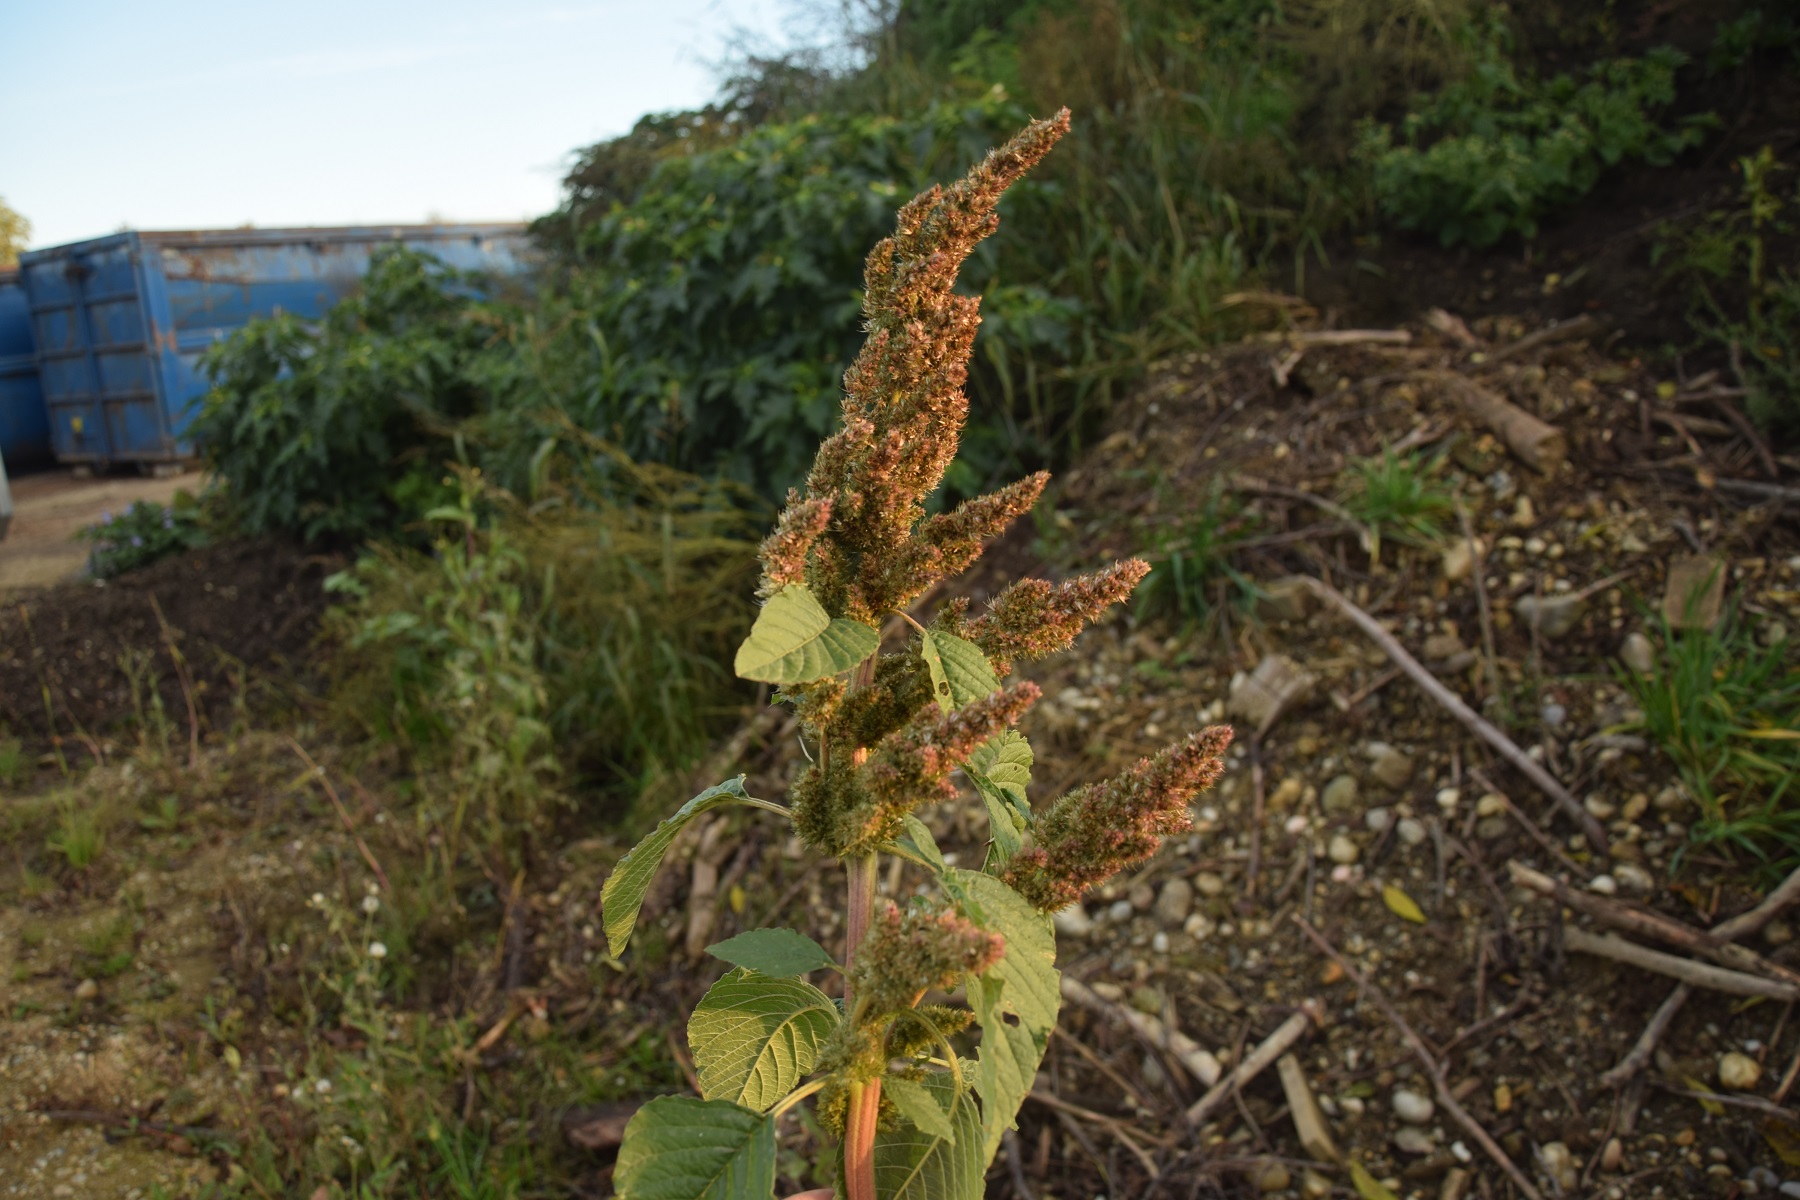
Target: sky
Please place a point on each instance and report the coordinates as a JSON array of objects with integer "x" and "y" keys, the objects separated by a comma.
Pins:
[{"x": 201, "y": 114}]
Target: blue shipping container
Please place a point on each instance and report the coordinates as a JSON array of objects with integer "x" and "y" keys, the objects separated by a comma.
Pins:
[
  {"x": 24, "y": 424},
  {"x": 121, "y": 321}
]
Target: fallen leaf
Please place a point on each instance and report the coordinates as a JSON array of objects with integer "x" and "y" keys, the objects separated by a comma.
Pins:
[
  {"x": 1713, "y": 1107},
  {"x": 1367, "y": 1186},
  {"x": 1402, "y": 905},
  {"x": 1783, "y": 1139}
]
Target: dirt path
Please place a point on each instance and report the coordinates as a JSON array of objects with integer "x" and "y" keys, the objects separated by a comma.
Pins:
[{"x": 50, "y": 507}]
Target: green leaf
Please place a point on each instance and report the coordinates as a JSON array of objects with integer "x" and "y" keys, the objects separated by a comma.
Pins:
[
  {"x": 960, "y": 672},
  {"x": 623, "y": 893},
  {"x": 916, "y": 1104},
  {"x": 1402, "y": 905},
  {"x": 755, "y": 1038},
  {"x": 911, "y": 1164},
  {"x": 918, "y": 838},
  {"x": 1024, "y": 984},
  {"x": 679, "y": 1148},
  {"x": 795, "y": 640},
  {"x": 1367, "y": 1186},
  {"x": 1000, "y": 769},
  {"x": 777, "y": 953}
]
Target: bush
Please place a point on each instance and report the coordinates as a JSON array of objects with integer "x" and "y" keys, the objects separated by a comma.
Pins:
[
  {"x": 143, "y": 534},
  {"x": 1494, "y": 154}
]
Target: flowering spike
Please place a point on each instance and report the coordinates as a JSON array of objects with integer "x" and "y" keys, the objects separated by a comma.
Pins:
[
  {"x": 907, "y": 954},
  {"x": 784, "y": 552},
  {"x": 1033, "y": 618},
  {"x": 1093, "y": 832}
]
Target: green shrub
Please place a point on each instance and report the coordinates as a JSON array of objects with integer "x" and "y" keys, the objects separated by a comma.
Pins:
[
  {"x": 142, "y": 534},
  {"x": 1494, "y": 154}
]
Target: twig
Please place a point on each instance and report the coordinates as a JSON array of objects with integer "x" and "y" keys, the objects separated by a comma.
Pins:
[
  {"x": 1446, "y": 1097},
  {"x": 1195, "y": 1058},
  {"x": 1747, "y": 431},
  {"x": 1343, "y": 337},
  {"x": 1021, "y": 1189},
  {"x": 1787, "y": 1080},
  {"x": 1754, "y": 1103},
  {"x": 1747, "y": 923},
  {"x": 1112, "y": 1125},
  {"x": 1650, "y": 924},
  {"x": 1433, "y": 687},
  {"x": 342, "y": 812},
  {"x": 1767, "y": 491},
  {"x": 1639, "y": 1057},
  {"x": 1570, "y": 330},
  {"x": 1257, "y": 1061},
  {"x": 1258, "y": 802},
  {"x": 1718, "y": 979},
  {"x": 132, "y": 1124}
]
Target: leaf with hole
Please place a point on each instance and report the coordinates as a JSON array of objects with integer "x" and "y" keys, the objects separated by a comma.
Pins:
[
  {"x": 755, "y": 1038},
  {"x": 777, "y": 953},
  {"x": 960, "y": 672},
  {"x": 679, "y": 1148},
  {"x": 1000, "y": 769},
  {"x": 794, "y": 640},
  {"x": 911, "y": 1164},
  {"x": 623, "y": 893}
]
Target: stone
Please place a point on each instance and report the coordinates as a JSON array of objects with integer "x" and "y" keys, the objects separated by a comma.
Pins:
[
  {"x": 1342, "y": 850},
  {"x": 1142, "y": 896},
  {"x": 1377, "y": 819},
  {"x": 1559, "y": 1164},
  {"x": 1554, "y": 715},
  {"x": 1273, "y": 1177},
  {"x": 1670, "y": 800},
  {"x": 1694, "y": 592},
  {"x": 1778, "y": 933},
  {"x": 1340, "y": 794},
  {"x": 86, "y": 990},
  {"x": 1790, "y": 1188},
  {"x": 1633, "y": 878},
  {"x": 1491, "y": 804},
  {"x": 1612, "y": 1155},
  {"x": 1159, "y": 942},
  {"x": 1739, "y": 1072},
  {"x": 1410, "y": 1139},
  {"x": 1314, "y": 1186},
  {"x": 1411, "y": 831},
  {"x": 1147, "y": 1000},
  {"x": 1286, "y": 793},
  {"x": 1489, "y": 828},
  {"x": 1440, "y": 646},
  {"x": 1392, "y": 768},
  {"x": 1074, "y": 921},
  {"x": 1120, "y": 911},
  {"x": 1174, "y": 902},
  {"x": 1209, "y": 883},
  {"x": 1605, "y": 885},
  {"x": 1637, "y": 653},
  {"x": 1599, "y": 807},
  {"x": 1524, "y": 513},
  {"x": 1551, "y": 616},
  {"x": 1277, "y": 684},
  {"x": 1415, "y": 1108},
  {"x": 1458, "y": 562},
  {"x": 1448, "y": 798},
  {"x": 1285, "y": 601}
]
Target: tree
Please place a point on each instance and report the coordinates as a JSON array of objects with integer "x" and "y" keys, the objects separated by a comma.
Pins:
[{"x": 15, "y": 231}]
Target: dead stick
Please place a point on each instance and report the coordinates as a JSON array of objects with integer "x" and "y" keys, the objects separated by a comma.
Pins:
[
  {"x": 1433, "y": 687},
  {"x": 1343, "y": 337},
  {"x": 1639, "y": 1057},
  {"x": 1650, "y": 924},
  {"x": 1256, "y": 1062},
  {"x": 1446, "y": 1097},
  {"x": 1717, "y": 979},
  {"x": 343, "y": 814},
  {"x": 1745, "y": 924},
  {"x": 1259, "y": 801},
  {"x": 1199, "y": 1061},
  {"x": 1577, "y": 327}
]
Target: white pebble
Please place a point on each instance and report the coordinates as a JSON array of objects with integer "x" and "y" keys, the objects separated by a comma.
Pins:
[
  {"x": 1159, "y": 942},
  {"x": 1412, "y": 1107},
  {"x": 1342, "y": 850},
  {"x": 1448, "y": 798},
  {"x": 1606, "y": 885},
  {"x": 1121, "y": 910}
]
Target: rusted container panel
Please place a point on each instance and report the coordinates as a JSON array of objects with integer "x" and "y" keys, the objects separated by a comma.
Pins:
[
  {"x": 121, "y": 321},
  {"x": 24, "y": 425}
]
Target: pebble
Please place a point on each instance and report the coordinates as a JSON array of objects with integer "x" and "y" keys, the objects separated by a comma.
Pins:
[
  {"x": 1637, "y": 653},
  {"x": 1074, "y": 921},
  {"x": 1634, "y": 878},
  {"x": 1342, "y": 850},
  {"x": 1314, "y": 1186},
  {"x": 1554, "y": 715},
  {"x": 1411, "y": 831},
  {"x": 1412, "y": 1107},
  {"x": 1286, "y": 793},
  {"x": 1159, "y": 942},
  {"x": 1175, "y": 902},
  {"x": 1147, "y": 1000},
  {"x": 1120, "y": 911},
  {"x": 1606, "y": 885},
  {"x": 1763, "y": 1177},
  {"x": 1778, "y": 933},
  {"x": 1352, "y": 1105},
  {"x": 1490, "y": 828},
  {"x": 1491, "y": 804},
  {"x": 1340, "y": 794},
  {"x": 1790, "y": 1188},
  {"x": 1208, "y": 883},
  {"x": 1600, "y": 808},
  {"x": 1458, "y": 561},
  {"x": 1440, "y": 646},
  {"x": 87, "y": 989},
  {"x": 1273, "y": 1178},
  {"x": 1552, "y": 616},
  {"x": 1448, "y": 798},
  {"x": 1739, "y": 1072},
  {"x": 1559, "y": 1165},
  {"x": 1410, "y": 1139},
  {"x": 1378, "y": 819},
  {"x": 1391, "y": 768},
  {"x": 1612, "y": 1155},
  {"x": 1142, "y": 896}
]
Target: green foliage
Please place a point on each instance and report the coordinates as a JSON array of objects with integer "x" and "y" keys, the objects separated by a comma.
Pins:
[
  {"x": 14, "y": 769},
  {"x": 623, "y": 893},
  {"x": 677, "y": 1148},
  {"x": 1727, "y": 713},
  {"x": 916, "y": 1164},
  {"x": 960, "y": 672},
  {"x": 754, "y": 1038},
  {"x": 794, "y": 640},
  {"x": 342, "y": 428},
  {"x": 79, "y": 836},
  {"x": 1495, "y": 153},
  {"x": 776, "y": 953},
  {"x": 142, "y": 534},
  {"x": 1191, "y": 561},
  {"x": 1396, "y": 497}
]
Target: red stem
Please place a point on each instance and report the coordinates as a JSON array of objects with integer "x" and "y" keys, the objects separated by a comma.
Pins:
[{"x": 865, "y": 1098}]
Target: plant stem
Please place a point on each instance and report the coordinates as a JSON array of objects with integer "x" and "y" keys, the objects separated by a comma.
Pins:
[{"x": 865, "y": 1098}]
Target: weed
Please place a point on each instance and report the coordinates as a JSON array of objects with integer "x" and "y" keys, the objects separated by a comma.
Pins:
[
  {"x": 79, "y": 836},
  {"x": 1727, "y": 713},
  {"x": 13, "y": 766},
  {"x": 142, "y": 534},
  {"x": 1396, "y": 497},
  {"x": 1191, "y": 570}
]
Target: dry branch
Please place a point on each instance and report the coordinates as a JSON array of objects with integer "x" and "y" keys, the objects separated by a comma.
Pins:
[
  {"x": 1435, "y": 688},
  {"x": 1537, "y": 443},
  {"x": 1716, "y": 979},
  {"x": 1195, "y": 1058},
  {"x": 1568, "y": 331},
  {"x": 1256, "y": 1062}
]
